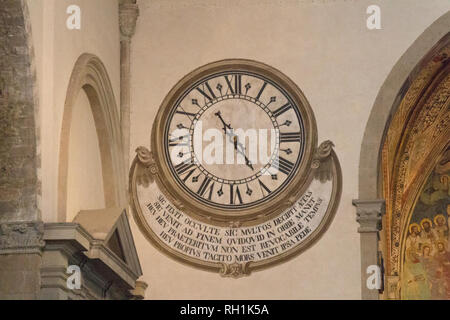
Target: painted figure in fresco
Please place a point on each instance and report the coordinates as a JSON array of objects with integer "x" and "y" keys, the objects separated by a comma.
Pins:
[
  {"x": 427, "y": 235},
  {"x": 448, "y": 223},
  {"x": 442, "y": 258},
  {"x": 432, "y": 273},
  {"x": 440, "y": 228},
  {"x": 426, "y": 268},
  {"x": 427, "y": 261},
  {"x": 415, "y": 282},
  {"x": 413, "y": 240}
]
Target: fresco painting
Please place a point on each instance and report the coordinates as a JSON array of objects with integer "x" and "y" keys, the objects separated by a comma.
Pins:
[{"x": 426, "y": 268}]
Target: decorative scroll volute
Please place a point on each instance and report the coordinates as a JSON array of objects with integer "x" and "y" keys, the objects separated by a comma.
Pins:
[
  {"x": 147, "y": 168},
  {"x": 235, "y": 270},
  {"x": 322, "y": 161}
]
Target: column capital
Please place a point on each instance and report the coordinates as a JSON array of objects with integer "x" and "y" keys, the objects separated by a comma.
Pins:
[
  {"x": 128, "y": 14},
  {"x": 21, "y": 237},
  {"x": 138, "y": 293},
  {"x": 368, "y": 214}
]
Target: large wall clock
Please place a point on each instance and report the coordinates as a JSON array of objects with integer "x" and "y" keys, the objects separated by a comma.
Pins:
[
  {"x": 231, "y": 95},
  {"x": 234, "y": 155}
]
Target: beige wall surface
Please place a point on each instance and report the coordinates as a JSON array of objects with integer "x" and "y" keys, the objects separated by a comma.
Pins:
[
  {"x": 57, "y": 49},
  {"x": 85, "y": 165},
  {"x": 324, "y": 47}
]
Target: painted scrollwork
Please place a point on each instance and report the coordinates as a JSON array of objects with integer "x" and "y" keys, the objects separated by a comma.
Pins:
[
  {"x": 322, "y": 162},
  {"x": 147, "y": 168},
  {"x": 235, "y": 270},
  {"x": 235, "y": 224}
]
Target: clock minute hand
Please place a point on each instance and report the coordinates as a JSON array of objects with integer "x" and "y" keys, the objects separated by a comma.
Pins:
[
  {"x": 241, "y": 150},
  {"x": 234, "y": 139},
  {"x": 225, "y": 126},
  {"x": 247, "y": 161}
]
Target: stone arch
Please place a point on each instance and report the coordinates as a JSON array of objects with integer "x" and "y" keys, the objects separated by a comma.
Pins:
[
  {"x": 416, "y": 138},
  {"x": 371, "y": 204},
  {"x": 90, "y": 75},
  {"x": 387, "y": 101}
]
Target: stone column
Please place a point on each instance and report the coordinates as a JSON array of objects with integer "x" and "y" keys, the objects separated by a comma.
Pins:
[
  {"x": 369, "y": 213},
  {"x": 128, "y": 14},
  {"x": 21, "y": 231},
  {"x": 20, "y": 259}
]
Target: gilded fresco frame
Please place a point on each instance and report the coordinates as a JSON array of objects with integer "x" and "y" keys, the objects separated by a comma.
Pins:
[{"x": 407, "y": 155}]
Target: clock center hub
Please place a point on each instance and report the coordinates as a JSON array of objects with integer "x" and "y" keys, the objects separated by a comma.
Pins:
[{"x": 234, "y": 139}]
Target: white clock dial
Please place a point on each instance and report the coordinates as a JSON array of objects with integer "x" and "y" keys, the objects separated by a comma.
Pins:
[{"x": 259, "y": 148}]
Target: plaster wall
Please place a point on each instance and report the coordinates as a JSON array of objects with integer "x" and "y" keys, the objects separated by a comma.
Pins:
[
  {"x": 85, "y": 166},
  {"x": 322, "y": 45},
  {"x": 340, "y": 65}
]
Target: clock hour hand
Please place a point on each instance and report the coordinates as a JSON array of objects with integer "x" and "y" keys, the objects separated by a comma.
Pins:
[{"x": 227, "y": 129}]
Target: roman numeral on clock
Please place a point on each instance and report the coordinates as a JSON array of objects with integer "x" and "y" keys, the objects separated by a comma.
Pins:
[
  {"x": 264, "y": 187},
  {"x": 186, "y": 113},
  {"x": 282, "y": 110},
  {"x": 211, "y": 191},
  {"x": 237, "y": 89},
  {"x": 261, "y": 91},
  {"x": 179, "y": 142},
  {"x": 188, "y": 175},
  {"x": 283, "y": 165},
  {"x": 290, "y": 137},
  {"x": 204, "y": 186},
  {"x": 183, "y": 167},
  {"x": 235, "y": 195},
  {"x": 202, "y": 91}
]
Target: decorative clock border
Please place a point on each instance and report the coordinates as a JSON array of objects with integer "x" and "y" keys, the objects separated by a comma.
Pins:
[
  {"x": 291, "y": 222},
  {"x": 255, "y": 214}
]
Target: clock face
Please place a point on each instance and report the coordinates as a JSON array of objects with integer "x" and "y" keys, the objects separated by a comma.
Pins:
[{"x": 232, "y": 139}]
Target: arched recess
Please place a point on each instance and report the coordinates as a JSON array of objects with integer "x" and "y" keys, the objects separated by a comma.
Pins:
[
  {"x": 89, "y": 74},
  {"x": 387, "y": 102},
  {"x": 415, "y": 141},
  {"x": 370, "y": 205}
]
